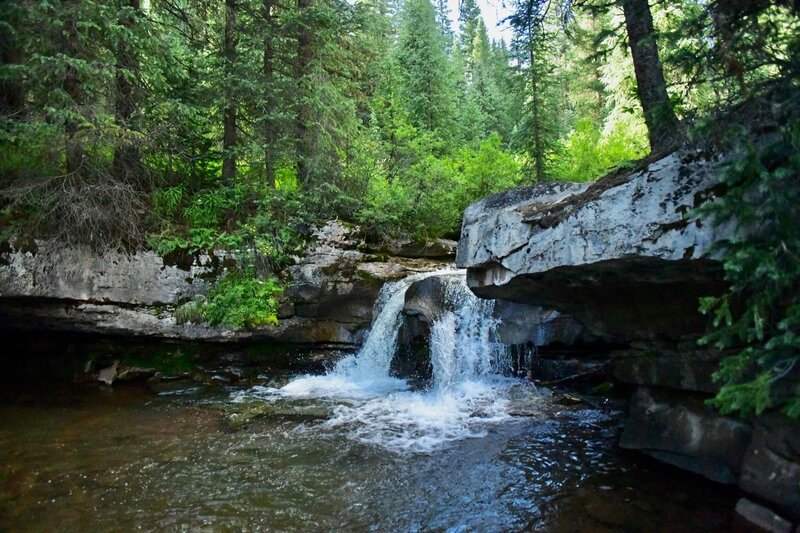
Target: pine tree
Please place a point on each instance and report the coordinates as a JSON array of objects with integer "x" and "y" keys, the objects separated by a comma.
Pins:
[
  {"x": 127, "y": 163},
  {"x": 426, "y": 87},
  {"x": 468, "y": 17}
]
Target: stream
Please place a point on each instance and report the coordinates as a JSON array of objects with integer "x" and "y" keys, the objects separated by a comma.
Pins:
[{"x": 352, "y": 448}]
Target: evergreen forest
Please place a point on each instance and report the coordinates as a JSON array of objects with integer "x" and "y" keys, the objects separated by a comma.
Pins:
[{"x": 194, "y": 125}]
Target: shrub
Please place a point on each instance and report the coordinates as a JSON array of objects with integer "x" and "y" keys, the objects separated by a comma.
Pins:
[
  {"x": 759, "y": 316},
  {"x": 239, "y": 300}
]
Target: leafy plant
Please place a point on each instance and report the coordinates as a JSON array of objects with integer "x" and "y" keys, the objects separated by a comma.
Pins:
[
  {"x": 239, "y": 300},
  {"x": 760, "y": 314}
]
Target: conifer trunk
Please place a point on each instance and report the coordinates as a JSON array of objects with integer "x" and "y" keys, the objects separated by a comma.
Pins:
[
  {"x": 12, "y": 96},
  {"x": 72, "y": 86},
  {"x": 303, "y": 118},
  {"x": 269, "y": 77},
  {"x": 229, "y": 133},
  {"x": 662, "y": 124},
  {"x": 536, "y": 122}
]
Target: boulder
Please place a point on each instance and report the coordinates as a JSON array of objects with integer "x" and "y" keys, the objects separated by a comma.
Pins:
[
  {"x": 771, "y": 467},
  {"x": 619, "y": 255},
  {"x": 680, "y": 429},
  {"x": 107, "y": 376}
]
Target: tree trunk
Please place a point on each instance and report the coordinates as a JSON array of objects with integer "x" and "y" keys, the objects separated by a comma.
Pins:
[
  {"x": 303, "y": 118},
  {"x": 229, "y": 133},
  {"x": 127, "y": 164},
  {"x": 269, "y": 77},
  {"x": 662, "y": 124},
  {"x": 72, "y": 86}
]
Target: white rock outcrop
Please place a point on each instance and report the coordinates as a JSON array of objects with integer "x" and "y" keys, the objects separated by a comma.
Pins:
[{"x": 614, "y": 254}]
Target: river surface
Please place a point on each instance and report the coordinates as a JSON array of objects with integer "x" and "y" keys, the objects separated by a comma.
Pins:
[
  {"x": 243, "y": 443},
  {"x": 247, "y": 457}
]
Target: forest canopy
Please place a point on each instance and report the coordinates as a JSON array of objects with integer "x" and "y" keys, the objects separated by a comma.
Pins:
[{"x": 200, "y": 124}]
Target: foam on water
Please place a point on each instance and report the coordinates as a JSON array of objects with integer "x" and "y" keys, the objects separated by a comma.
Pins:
[{"x": 467, "y": 394}]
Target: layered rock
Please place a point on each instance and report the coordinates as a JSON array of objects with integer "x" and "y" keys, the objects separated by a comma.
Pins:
[
  {"x": 332, "y": 289},
  {"x": 619, "y": 255},
  {"x": 679, "y": 429}
]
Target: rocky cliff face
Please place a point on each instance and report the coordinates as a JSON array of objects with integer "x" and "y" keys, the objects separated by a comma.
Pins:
[
  {"x": 331, "y": 290},
  {"x": 623, "y": 258},
  {"x": 619, "y": 255}
]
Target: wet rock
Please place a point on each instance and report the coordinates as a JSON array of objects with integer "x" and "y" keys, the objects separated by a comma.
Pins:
[
  {"x": 771, "y": 466},
  {"x": 762, "y": 518},
  {"x": 161, "y": 377},
  {"x": 683, "y": 368},
  {"x": 618, "y": 255},
  {"x": 530, "y": 324},
  {"x": 427, "y": 298},
  {"x": 107, "y": 376},
  {"x": 175, "y": 386},
  {"x": 568, "y": 399},
  {"x": 549, "y": 370},
  {"x": 244, "y": 414},
  {"x": 133, "y": 373},
  {"x": 678, "y": 428}
]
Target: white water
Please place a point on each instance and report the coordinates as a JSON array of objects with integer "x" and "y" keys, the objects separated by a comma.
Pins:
[{"x": 468, "y": 392}]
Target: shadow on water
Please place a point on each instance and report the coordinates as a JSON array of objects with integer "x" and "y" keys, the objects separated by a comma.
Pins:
[{"x": 81, "y": 457}]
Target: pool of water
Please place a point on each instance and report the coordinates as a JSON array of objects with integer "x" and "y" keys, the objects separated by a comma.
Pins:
[{"x": 254, "y": 457}]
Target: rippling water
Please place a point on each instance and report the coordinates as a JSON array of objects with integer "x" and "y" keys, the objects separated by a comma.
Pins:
[
  {"x": 83, "y": 459},
  {"x": 353, "y": 449}
]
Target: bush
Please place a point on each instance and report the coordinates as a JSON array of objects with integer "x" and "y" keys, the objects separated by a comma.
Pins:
[{"x": 589, "y": 153}]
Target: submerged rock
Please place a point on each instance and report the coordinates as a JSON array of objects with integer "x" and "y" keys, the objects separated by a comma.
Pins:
[{"x": 762, "y": 518}]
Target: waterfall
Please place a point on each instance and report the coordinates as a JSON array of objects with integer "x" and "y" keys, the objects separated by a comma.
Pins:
[
  {"x": 470, "y": 386},
  {"x": 374, "y": 358},
  {"x": 462, "y": 344}
]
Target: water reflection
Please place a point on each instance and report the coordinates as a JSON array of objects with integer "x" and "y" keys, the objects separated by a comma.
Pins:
[{"x": 128, "y": 460}]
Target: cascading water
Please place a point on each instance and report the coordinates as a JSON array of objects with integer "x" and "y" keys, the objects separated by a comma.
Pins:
[{"x": 469, "y": 390}]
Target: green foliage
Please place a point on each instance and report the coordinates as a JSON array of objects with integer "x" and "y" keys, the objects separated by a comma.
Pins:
[
  {"x": 760, "y": 314},
  {"x": 167, "y": 201},
  {"x": 587, "y": 154},
  {"x": 238, "y": 300},
  {"x": 427, "y": 198}
]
